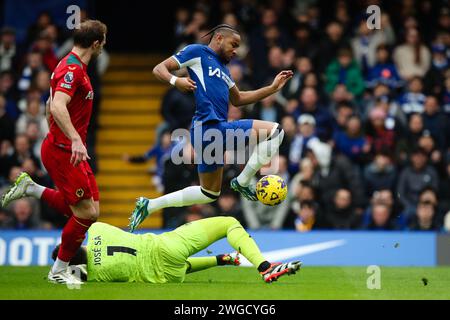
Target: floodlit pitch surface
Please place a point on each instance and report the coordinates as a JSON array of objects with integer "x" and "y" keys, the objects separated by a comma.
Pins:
[{"x": 244, "y": 283}]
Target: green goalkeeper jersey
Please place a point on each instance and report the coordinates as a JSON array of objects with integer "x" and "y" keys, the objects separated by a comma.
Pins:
[{"x": 115, "y": 255}]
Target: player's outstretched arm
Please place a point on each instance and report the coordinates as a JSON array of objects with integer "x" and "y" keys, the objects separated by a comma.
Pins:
[
  {"x": 162, "y": 72},
  {"x": 242, "y": 98},
  {"x": 59, "y": 112}
]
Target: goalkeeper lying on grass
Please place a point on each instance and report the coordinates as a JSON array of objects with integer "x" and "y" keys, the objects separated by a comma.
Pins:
[{"x": 113, "y": 255}]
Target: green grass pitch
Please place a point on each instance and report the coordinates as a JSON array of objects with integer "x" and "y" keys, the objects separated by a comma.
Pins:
[{"x": 232, "y": 283}]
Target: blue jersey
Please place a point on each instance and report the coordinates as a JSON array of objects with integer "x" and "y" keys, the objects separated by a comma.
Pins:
[{"x": 213, "y": 81}]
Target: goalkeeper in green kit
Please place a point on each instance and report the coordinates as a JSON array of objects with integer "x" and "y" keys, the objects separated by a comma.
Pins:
[{"x": 113, "y": 255}]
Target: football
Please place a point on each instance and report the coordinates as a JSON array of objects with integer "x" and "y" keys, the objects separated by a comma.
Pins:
[{"x": 271, "y": 190}]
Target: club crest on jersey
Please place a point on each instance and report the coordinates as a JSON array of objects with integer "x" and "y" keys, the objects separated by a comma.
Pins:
[
  {"x": 90, "y": 95},
  {"x": 68, "y": 77}
]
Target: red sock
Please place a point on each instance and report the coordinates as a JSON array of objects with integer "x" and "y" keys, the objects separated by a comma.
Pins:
[
  {"x": 73, "y": 235},
  {"x": 55, "y": 200}
]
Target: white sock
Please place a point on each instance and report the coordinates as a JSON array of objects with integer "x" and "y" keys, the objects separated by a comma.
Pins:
[
  {"x": 181, "y": 198},
  {"x": 59, "y": 266},
  {"x": 261, "y": 156},
  {"x": 34, "y": 190}
]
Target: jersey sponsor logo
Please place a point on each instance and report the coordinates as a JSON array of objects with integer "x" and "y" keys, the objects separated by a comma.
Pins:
[
  {"x": 65, "y": 85},
  {"x": 219, "y": 74},
  {"x": 68, "y": 77},
  {"x": 79, "y": 192},
  {"x": 90, "y": 95},
  {"x": 216, "y": 72}
]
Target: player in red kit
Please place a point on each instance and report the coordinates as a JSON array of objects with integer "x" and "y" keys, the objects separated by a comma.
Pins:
[{"x": 64, "y": 152}]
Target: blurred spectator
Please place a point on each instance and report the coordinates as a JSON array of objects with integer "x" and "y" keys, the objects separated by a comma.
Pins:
[
  {"x": 434, "y": 78},
  {"x": 177, "y": 109},
  {"x": 444, "y": 187},
  {"x": 380, "y": 173},
  {"x": 42, "y": 83},
  {"x": 301, "y": 190},
  {"x": 290, "y": 130},
  {"x": 268, "y": 110},
  {"x": 291, "y": 91},
  {"x": 410, "y": 139},
  {"x": 413, "y": 99},
  {"x": 42, "y": 22},
  {"x": 32, "y": 114},
  {"x": 304, "y": 43},
  {"x": 412, "y": 58},
  {"x": 262, "y": 37},
  {"x": 8, "y": 50},
  {"x": 342, "y": 113},
  {"x": 33, "y": 65},
  {"x": 23, "y": 217},
  {"x": 447, "y": 222},
  {"x": 366, "y": 41},
  {"x": 241, "y": 52},
  {"x": 428, "y": 144},
  {"x": 304, "y": 176},
  {"x": 6, "y": 123},
  {"x": 344, "y": 71},
  {"x": 414, "y": 178},
  {"x": 45, "y": 46},
  {"x": 305, "y": 133},
  {"x": 380, "y": 218},
  {"x": 9, "y": 91},
  {"x": 435, "y": 122},
  {"x": 334, "y": 173},
  {"x": 35, "y": 138},
  {"x": 309, "y": 104},
  {"x": 22, "y": 151},
  {"x": 340, "y": 213},
  {"x": 228, "y": 205},
  {"x": 307, "y": 216},
  {"x": 425, "y": 218},
  {"x": 181, "y": 22},
  {"x": 330, "y": 44},
  {"x": 380, "y": 133},
  {"x": 351, "y": 142},
  {"x": 383, "y": 70},
  {"x": 446, "y": 97}
]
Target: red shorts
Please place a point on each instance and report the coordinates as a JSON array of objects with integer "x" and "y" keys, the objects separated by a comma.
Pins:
[{"x": 75, "y": 183}]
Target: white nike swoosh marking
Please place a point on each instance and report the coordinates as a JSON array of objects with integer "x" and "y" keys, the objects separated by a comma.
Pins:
[{"x": 288, "y": 253}]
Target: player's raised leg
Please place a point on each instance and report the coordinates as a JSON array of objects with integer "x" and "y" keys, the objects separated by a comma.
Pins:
[
  {"x": 208, "y": 191},
  {"x": 24, "y": 186},
  {"x": 202, "y": 233},
  {"x": 269, "y": 136}
]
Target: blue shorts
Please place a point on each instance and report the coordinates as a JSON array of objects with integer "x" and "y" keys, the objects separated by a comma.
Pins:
[{"x": 211, "y": 139}]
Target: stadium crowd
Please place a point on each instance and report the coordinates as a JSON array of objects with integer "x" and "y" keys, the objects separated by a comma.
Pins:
[
  {"x": 25, "y": 69},
  {"x": 366, "y": 115}
]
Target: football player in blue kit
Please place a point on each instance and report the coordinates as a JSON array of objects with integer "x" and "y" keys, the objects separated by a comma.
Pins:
[{"x": 210, "y": 80}]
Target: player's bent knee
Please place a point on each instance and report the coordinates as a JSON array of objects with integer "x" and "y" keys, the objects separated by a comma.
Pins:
[
  {"x": 231, "y": 223},
  {"x": 85, "y": 209}
]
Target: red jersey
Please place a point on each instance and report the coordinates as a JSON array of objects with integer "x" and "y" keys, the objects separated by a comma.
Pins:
[{"x": 70, "y": 76}]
